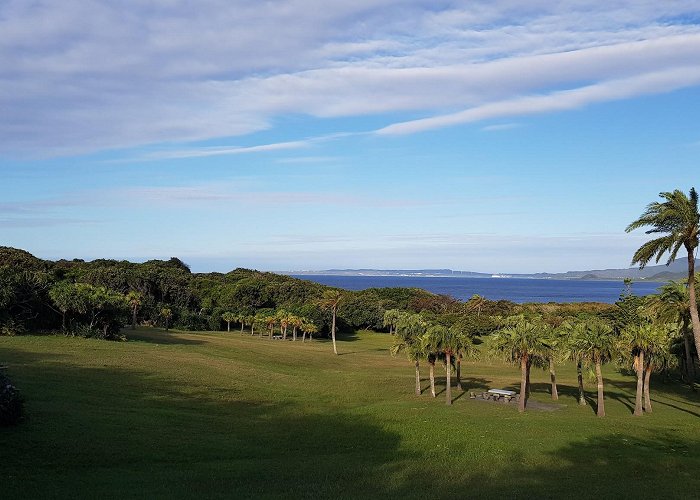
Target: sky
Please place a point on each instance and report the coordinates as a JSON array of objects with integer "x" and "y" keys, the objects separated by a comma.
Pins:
[{"x": 497, "y": 136}]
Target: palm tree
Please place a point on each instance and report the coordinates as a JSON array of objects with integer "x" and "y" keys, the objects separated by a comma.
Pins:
[
  {"x": 166, "y": 313},
  {"x": 242, "y": 318},
  {"x": 330, "y": 300},
  {"x": 476, "y": 303},
  {"x": 134, "y": 299},
  {"x": 448, "y": 341},
  {"x": 671, "y": 305},
  {"x": 570, "y": 329},
  {"x": 307, "y": 327},
  {"x": 659, "y": 356},
  {"x": 270, "y": 322},
  {"x": 295, "y": 322},
  {"x": 635, "y": 341},
  {"x": 520, "y": 342},
  {"x": 430, "y": 350},
  {"x": 465, "y": 350},
  {"x": 407, "y": 339},
  {"x": 228, "y": 317},
  {"x": 595, "y": 343},
  {"x": 678, "y": 219},
  {"x": 391, "y": 317}
]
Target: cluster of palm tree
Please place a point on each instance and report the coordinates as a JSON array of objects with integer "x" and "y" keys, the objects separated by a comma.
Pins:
[
  {"x": 421, "y": 340},
  {"x": 282, "y": 321}
]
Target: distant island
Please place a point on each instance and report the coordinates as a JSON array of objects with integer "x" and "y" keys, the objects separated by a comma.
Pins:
[{"x": 676, "y": 271}]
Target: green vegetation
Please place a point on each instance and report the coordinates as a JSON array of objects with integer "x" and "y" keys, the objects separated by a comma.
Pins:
[{"x": 181, "y": 414}]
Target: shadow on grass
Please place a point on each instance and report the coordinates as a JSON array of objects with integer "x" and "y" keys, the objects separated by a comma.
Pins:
[
  {"x": 161, "y": 337},
  {"x": 116, "y": 432}
]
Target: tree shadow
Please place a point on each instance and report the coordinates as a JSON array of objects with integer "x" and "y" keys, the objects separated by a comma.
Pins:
[
  {"x": 95, "y": 426},
  {"x": 160, "y": 337}
]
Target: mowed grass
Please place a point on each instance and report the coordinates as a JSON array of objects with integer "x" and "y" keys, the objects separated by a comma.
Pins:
[{"x": 223, "y": 415}]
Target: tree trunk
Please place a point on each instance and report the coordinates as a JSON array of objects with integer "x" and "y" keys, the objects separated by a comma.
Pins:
[
  {"x": 252, "y": 329},
  {"x": 527, "y": 386},
  {"x": 693, "y": 301},
  {"x": 133, "y": 318},
  {"x": 689, "y": 364},
  {"x": 523, "y": 383},
  {"x": 228, "y": 326},
  {"x": 647, "y": 379},
  {"x": 448, "y": 383},
  {"x": 639, "y": 366},
  {"x": 432, "y": 379},
  {"x": 459, "y": 372},
  {"x": 303, "y": 337},
  {"x": 242, "y": 325},
  {"x": 294, "y": 334},
  {"x": 335, "y": 350},
  {"x": 417, "y": 378},
  {"x": 601, "y": 397},
  {"x": 581, "y": 394},
  {"x": 553, "y": 378}
]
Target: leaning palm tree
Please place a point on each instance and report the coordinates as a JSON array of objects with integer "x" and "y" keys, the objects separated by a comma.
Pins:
[
  {"x": 331, "y": 300},
  {"x": 659, "y": 357},
  {"x": 595, "y": 343},
  {"x": 677, "y": 218},
  {"x": 520, "y": 342}
]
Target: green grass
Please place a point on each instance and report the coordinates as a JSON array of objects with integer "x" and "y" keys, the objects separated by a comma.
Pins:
[{"x": 222, "y": 415}]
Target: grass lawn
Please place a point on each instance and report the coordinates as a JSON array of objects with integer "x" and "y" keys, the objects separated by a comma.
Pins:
[{"x": 204, "y": 415}]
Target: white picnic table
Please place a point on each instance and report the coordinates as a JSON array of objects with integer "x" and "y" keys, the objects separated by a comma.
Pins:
[{"x": 502, "y": 392}]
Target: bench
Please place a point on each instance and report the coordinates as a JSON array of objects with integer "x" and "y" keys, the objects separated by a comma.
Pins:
[
  {"x": 497, "y": 394},
  {"x": 277, "y": 337}
]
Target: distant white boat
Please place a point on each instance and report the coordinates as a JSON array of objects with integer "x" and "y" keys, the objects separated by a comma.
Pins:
[{"x": 500, "y": 276}]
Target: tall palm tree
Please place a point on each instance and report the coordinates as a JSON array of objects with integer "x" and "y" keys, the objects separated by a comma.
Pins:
[
  {"x": 465, "y": 350},
  {"x": 671, "y": 305},
  {"x": 520, "y": 342},
  {"x": 678, "y": 219},
  {"x": 595, "y": 343},
  {"x": 448, "y": 341},
  {"x": 331, "y": 300}
]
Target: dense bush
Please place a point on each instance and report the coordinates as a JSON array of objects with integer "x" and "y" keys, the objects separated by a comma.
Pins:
[{"x": 11, "y": 403}]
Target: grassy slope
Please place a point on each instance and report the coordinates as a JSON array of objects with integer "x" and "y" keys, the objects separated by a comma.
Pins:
[{"x": 186, "y": 414}]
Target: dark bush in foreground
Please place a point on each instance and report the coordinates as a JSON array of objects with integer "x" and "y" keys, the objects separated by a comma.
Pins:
[{"x": 11, "y": 403}]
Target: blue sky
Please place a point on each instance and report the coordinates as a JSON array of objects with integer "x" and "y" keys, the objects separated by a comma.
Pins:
[{"x": 477, "y": 135}]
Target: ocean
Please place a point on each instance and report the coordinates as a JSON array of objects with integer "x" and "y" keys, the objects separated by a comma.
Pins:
[{"x": 518, "y": 290}]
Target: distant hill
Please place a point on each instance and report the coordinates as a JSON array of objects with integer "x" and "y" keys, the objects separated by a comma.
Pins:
[{"x": 677, "y": 270}]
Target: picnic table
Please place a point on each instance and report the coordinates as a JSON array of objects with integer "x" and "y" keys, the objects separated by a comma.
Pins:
[{"x": 497, "y": 394}]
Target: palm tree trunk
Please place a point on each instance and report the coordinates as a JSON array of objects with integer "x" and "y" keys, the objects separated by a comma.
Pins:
[
  {"x": 432, "y": 379},
  {"x": 303, "y": 337},
  {"x": 693, "y": 301},
  {"x": 523, "y": 383},
  {"x": 601, "y": 396},
  {"x": 417, "y": 378},
  {"x": 228, "y": 326},
  {"x": 639, "y": 366},
  {"x": 252, "y": 329},
  {"x": 242, "y": 325},
  {"x": 553, "y": 378},
  {"x": 459, "y": 372},
  {"x": 690, "y": 365},
  {"x": 133, "y": 318},
  {"x": 581, "y": 394},
  {"x": 335, "y": 350},
  {"x": 448, "y": 383},
  {"x": 647, "y": 379},
  {"x": 527, "y": 386}
]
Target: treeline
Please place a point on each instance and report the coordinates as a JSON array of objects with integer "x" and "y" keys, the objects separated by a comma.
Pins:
[{"x": 100, "y": 297}]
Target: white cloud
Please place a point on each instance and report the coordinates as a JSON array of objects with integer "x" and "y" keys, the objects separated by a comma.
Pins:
[{"x": 85, "y": 75}]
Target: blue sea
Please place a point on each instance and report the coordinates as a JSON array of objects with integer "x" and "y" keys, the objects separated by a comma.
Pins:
[{"x": 514, "y": 289}]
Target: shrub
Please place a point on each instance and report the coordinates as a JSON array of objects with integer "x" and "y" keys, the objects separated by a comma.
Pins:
[{"x": 11, "y": 403}]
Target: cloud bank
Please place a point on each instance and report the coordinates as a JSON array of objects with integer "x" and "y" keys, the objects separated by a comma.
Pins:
[{"x": 86, "y": 75}]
